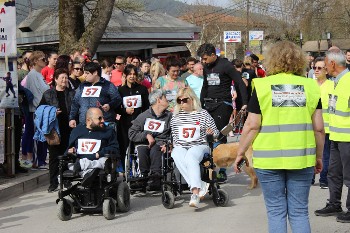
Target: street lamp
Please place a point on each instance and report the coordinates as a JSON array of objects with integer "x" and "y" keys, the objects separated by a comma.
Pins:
[
  {"x": 329, "y": 42},
  {"x": 301, "y": 40}
]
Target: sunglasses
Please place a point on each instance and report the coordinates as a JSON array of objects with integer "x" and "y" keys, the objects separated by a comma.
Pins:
[
  {"x": 43, "y": 59},
  {"x": 100, "y": 118},
  {"x": 317, "y": 68},
  {"x": 184, "y": 100},
  {"x": 81, "y": 69}
]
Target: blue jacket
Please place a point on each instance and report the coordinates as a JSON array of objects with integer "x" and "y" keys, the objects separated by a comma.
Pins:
[
  {"x": 109, "y": 95},
  {"x": 45, "y": 120}
]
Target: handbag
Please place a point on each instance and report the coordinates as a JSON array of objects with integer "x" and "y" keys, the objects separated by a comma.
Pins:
[{"x": 53, "y": 139}]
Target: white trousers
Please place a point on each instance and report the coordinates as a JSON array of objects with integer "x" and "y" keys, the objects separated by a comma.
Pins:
[
  {"x": 187, "y": 161},
  {"x": 88, "y": 165}
]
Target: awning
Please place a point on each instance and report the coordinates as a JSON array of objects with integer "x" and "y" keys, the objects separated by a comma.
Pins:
[{"x": 169, "y": 49}]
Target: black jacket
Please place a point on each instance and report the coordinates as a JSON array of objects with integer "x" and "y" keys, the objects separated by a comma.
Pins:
[{"x": 50, "y": 98}]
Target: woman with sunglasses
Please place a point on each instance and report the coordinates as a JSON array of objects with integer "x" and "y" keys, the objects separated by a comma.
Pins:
[
  {"x": 326, "y": 87},
  {"x": 189, "y": 126},
  {"x": 61, "y": 97},
  {"x": 135, "y": 101},
  {"x": 73, "y": 79}
]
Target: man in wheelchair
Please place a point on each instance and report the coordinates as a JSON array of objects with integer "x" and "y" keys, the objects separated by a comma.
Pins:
[
  {"x": 91, "y": 142},
  {"x": 149, "y": 133}
]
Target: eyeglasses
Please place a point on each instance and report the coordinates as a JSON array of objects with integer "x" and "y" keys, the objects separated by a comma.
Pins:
[
  {"x": 184, "y": 100},
  {"x": 118, "y": 64},
  {"x": 43, "y": 59},
  {"x": 80, "y": 69},
  {"x": 317, "y": 68},
  {"x": 100, "y": 118}
]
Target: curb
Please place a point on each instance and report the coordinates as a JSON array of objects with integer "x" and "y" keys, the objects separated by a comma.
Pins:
[{"x": 18, "y": 186}]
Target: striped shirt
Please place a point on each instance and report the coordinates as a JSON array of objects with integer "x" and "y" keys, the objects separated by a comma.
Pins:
[{"x": 189, "y": 129}]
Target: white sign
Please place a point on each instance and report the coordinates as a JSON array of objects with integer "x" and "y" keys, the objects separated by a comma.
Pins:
[
  {"x": 256, "y": 35},
  {"x": 91, "y": 91},
  {"x": 154, "y": 125},
  {"x": 189, "y": 133},
  {"x": 232, "y": 36},
  {"x": 2, "y": 135},
  {"x": 132, "y": 101},
  {"x": 8, "y": 43},
  {"x": 88, "y": 146}
]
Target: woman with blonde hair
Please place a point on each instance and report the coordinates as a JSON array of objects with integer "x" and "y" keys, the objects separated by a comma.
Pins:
[
  {"x": 285, "y": 126},
  {"x": 189, "y": 126},
  {"x": 157, "y": 70}
]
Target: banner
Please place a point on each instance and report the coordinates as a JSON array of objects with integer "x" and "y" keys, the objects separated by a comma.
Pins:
[
  {"x": 2, "y": 135},
  {"x": 8, "y": 55},
  {"x": 232, "y": 36},
  {"x": 256, "y": 35}
]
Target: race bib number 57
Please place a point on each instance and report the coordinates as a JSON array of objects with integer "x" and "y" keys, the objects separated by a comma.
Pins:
[
  {"x": 154, "y": 125},
  {"x": 88, "y": 146},
  {"x": 189, "y": 133},
  {"x": 133, "y": 101},
  {"x": 91, "y": 92}
]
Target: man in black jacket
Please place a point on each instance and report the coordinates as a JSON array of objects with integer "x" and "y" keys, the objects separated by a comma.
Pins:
[
  {"x": 216, "y": 95},
  {"x": 91, "y": 142},
  {"x": 149, "y": 132}
]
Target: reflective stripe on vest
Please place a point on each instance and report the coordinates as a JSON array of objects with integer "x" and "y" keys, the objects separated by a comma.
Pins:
[
  {"x": 285, "y": 128},
  {"x": 284, "y": 153},
  {"x": 339, "y": 130},
  {"x": 340, "y": 113}
]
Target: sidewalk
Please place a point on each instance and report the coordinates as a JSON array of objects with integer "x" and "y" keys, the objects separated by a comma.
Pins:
[{"x": 22, "y": 183}]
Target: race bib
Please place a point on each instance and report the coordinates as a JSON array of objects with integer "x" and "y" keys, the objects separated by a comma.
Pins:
[
  {"x": 88, "y": 146},
  {"x": 154, "y": 125},
  {"x": 189, "y": 133},
  {"x": 213, "y": 79},
  {"x": 91, "y": 91},
  {"x": 133, "y": 101},
  {"x": 170, "y": 95},
  {"x": 332, "y": 103}
]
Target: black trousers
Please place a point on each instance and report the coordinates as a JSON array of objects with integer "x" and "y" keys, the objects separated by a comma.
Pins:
[
  {"x": 54, "y": 152},
  {"x": 18, "y": 136},
  {"x": 221, "y": 116},
  {"x": 339, "y": 172},
  {"x": 150, "y": 159}
]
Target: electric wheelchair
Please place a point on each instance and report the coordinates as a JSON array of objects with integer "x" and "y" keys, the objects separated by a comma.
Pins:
[
  {"x": 173, "y": 186},
  {"x": 99, "y": 190}
]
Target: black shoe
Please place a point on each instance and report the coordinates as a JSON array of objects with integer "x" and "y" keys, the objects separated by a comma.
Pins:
[
  {"x": 76, "y": 167},
  {"x": 344, "y": 217},
  {"x": 52, "y": 188},
  {"x": 154, "y": 184},
  {"x": 323, "y": 186},
  {"x": 19, "y": 169},
  {"x": 222, "y": 177},
  {"x": 329, "y": 210}
]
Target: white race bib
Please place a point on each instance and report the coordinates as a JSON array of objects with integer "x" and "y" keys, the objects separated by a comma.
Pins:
[
  {"x": 213, "y": 79},
  {"x": 133, "y": 101},
  {"x": 170, "y": 95},
  {"x": 154, "y": 125},
  {"x": 91, "y": 91},
  {"x": 88, "y": 146},
  {"x": 189, "y": 133}
]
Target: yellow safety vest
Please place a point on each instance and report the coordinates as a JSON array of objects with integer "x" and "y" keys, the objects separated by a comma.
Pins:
[
  {"x": 339, "y": 117},
  {"x": 326, "y": 89},
  {"x": 286, "y": 139}
]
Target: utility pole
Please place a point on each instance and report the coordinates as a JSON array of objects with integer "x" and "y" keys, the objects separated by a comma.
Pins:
[{"x": 247, "y": 27}]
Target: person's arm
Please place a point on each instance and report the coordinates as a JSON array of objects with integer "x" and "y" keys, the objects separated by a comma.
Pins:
[
  {"x": 74, "y": 111},
  {"x": 317, "y": 124},
  {"x": 136, "y": 133},
  {"x": 145, "y": 101},
  {"x": 250, "y": 130},
  {"x": 236, "y": 77},
  {"x": 114, "y": 95},
  {"x": 204, "y": 91},
  {"x": 234, "y": 94},
  {"x": 112, "y": 146}
]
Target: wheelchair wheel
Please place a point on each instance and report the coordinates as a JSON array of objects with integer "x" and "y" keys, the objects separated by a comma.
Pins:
[
  {"x": 168, "y": 200},
  {"x": 127, "y": 164},
  {"x": 109, "y": 208},
  {"x": 222, "y": 200},
  {"x": 123, "y": 197},
  {"x": 65, "y": 209}
]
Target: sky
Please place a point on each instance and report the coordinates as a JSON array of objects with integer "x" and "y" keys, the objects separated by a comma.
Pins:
[{"x": 221, "y": 3}]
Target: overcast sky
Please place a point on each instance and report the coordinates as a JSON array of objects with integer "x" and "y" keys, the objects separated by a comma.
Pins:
[{"x": 221, "y": 3}]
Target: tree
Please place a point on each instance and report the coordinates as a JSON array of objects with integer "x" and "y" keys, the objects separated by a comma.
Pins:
[{"x": 76, "y": 33}]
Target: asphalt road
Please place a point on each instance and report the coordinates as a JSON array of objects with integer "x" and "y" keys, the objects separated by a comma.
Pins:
[{"x": 36, "y": 212}]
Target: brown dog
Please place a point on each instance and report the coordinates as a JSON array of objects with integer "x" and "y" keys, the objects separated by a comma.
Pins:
[{"x": 224, "y": 155}]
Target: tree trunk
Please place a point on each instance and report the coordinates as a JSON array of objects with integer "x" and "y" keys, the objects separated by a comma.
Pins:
[{"x": 74, "y": 35}]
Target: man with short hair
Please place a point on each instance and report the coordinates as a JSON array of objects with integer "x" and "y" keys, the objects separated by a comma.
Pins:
[
  {"x": 91, "y": 141},
  {"x": 117, "y": 73},
  {"x": 48, "y": 70},
  {"x": 260, "y": 73},
  {"x": 339, "y": 135},
  {"x": 150, "y": 132},
  {"x": 191, "y": 61},
  {"x": 347, "y": 56},
  {"x": 94, "y": 92},
  {"x": 195, "y": 80}
]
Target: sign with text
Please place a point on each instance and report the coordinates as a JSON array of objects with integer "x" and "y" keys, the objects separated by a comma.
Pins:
[
  {"x": 256, "y": 35},
  {"x": 232, "y": 36}
]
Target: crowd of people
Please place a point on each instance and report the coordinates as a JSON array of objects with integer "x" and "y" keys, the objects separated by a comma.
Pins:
[{"x": 149, "y": 101}]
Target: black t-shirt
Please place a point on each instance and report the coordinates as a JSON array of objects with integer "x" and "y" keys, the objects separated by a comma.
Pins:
[
  {"x": 254, "y": 106},
  {"x": 248, "y": 74}
]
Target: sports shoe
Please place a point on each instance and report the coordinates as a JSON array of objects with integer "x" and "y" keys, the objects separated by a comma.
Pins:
[
  {"x": 27, "y": 164},
  {"x": 329, "y": 210},
  {"x": 222, "y": 177},
  {"x": 323, "y": 186},
  {"x": 194, "y": 201},
  {"x": 344, "y": 217},
  {"x": 52, "y": 188},
  {"x": 203, "y": 190}
]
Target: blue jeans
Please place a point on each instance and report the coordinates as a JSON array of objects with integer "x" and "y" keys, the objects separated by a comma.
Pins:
[
  {"x": 325, "y": 159},
  {"x": 286, "y": 192}
]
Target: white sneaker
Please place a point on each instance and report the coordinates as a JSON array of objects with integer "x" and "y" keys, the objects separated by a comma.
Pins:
[
  {"x": 27, "y": 164},
  {"x": 203, "y": 190},
  {"x": 194, "y": 201}
]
